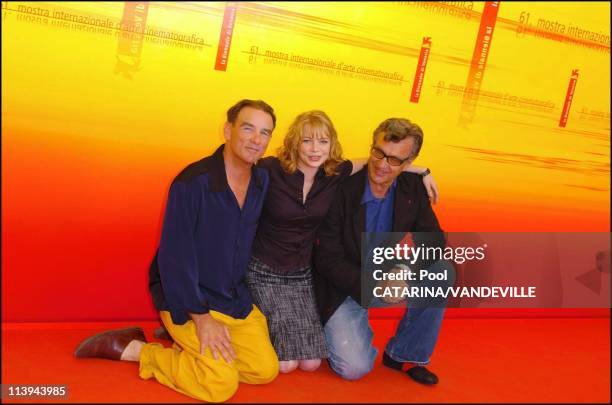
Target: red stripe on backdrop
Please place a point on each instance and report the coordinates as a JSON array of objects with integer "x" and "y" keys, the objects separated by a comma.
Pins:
[
  {"x": 225, "y": 38},
  {"x": 131, "y": 37},
  {"x": 483, "y": 44},
  {"x": 482, "y": 48},
  {"x": 419, "y": 75},
  {"x": 571, "y": 87}
]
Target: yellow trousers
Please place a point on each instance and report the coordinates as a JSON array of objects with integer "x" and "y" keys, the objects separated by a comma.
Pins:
[{"x": 185, "y": 370}]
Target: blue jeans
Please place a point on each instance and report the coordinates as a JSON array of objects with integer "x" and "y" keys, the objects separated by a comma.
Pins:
[{"x": 349, "y": 338}]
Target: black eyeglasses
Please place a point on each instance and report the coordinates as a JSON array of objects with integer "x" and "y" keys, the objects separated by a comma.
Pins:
[{"x": 392, "y": 160}]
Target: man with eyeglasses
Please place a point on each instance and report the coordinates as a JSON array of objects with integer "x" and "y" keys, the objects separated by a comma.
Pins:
[{"x": 379, "y": 198}]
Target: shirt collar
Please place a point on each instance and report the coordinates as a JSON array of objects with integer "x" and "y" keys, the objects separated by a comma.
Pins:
[
  {"x": 320, "y": 174},
  {"x": 368, "y": 196},
  {"x": 217, "y": 177}
]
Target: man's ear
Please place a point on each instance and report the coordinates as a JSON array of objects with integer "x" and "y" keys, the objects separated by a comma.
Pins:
[{"x": 227, "y": 131}]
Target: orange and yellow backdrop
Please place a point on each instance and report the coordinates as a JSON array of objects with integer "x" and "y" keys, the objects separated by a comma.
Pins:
[{"x": 104, "y": 103}]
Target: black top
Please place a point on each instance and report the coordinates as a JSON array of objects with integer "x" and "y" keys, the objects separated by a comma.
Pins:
[{"x": 287, "y": 225}]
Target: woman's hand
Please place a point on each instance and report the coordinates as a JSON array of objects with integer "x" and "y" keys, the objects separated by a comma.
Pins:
[{"x": 431, "y": 187}]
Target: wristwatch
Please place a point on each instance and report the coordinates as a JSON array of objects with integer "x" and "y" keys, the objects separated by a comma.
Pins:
[{"x": 426, "y": 172}]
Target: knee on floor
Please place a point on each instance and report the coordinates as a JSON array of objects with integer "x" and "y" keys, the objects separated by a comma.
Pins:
[
  {"x": 354, "y": 369},
  {"x": 309, "y": 365},
  {"x": 266, "y": 371},
  {"x": 288, "y": 366}
]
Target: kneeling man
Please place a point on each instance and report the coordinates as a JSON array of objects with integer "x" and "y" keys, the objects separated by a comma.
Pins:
[
  {"x": 197, "y": 278},
  {"x": 379, "y": 198}
]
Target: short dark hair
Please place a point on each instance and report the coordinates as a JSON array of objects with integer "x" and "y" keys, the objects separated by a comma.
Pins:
[
  {"x": 398, "y": 129},
  {"x": 261, "y": 105}
]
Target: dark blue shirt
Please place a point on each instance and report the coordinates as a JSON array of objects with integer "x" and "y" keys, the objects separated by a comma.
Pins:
[
  {"x": 206, "y": 242},
  {"x": 379, "y": 211}
]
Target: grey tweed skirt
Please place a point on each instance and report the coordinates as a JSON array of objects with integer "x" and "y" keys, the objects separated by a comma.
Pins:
[{"x": 288, "y": 302}]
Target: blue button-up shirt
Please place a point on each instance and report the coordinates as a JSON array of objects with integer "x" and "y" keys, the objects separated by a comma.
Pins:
[
  {"x": 379, "y": 218},
  {"x": 206, "y": 242},
  {"x": 379, "y": 211}
]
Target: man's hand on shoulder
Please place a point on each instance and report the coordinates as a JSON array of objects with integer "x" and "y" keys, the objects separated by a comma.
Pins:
[{"x": 215, "y": 335}]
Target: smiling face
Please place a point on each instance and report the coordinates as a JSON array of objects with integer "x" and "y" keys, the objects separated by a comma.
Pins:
[
  {"x": 380, "y": 172},
  {"x": 313, "y": 149},
  {"x": 311, "y": 143},
  {"x": 248, "y": 137}
]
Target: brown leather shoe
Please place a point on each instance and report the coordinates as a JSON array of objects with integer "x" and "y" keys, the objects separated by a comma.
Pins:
[{"x": 109, "y": 344}]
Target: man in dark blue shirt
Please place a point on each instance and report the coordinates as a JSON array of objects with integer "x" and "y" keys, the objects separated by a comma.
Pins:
[
  {"x": 379, "y": 198},
  {"x": 197, "y": 276}
]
